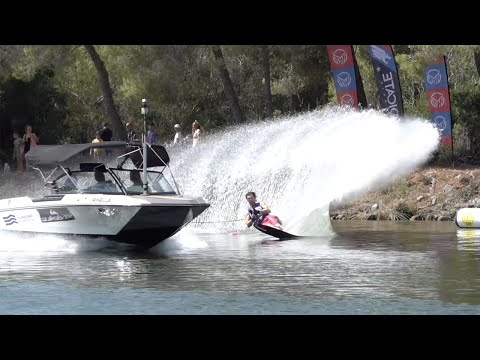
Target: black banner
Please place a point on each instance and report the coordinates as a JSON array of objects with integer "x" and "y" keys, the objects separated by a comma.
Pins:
[{"x": 386, "y": 76}]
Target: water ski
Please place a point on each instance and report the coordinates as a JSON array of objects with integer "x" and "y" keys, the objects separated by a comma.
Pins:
[{"x": 272, "y": 231}]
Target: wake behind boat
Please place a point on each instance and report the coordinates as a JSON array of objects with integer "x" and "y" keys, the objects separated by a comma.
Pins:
[{"x": 129, "y": 202}]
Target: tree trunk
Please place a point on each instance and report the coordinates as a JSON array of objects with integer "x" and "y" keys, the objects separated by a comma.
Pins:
[
  {"x": 119, "y": 132},
  {"x": 362, "y": 98},
  {"x": 227, "y": 85},
  {"x": 266, "y": 76},
  {"x": 476, "y": 56}
]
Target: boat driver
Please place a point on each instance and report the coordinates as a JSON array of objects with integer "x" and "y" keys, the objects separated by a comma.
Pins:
[{"x": 102, "y": 185}]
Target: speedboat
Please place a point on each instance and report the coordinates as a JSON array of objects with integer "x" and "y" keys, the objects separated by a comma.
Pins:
[{"x": 130, "y": 201}]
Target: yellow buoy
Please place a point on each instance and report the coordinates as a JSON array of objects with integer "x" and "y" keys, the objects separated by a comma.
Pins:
[{"x": 468, "y": 218}]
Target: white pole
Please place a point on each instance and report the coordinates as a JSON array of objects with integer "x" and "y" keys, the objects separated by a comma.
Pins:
[
  {"x": 145, "y": 181},
  {"x": 144, "y": 143}
]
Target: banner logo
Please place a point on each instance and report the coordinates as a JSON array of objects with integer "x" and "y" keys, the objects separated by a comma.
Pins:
[
  {"x": 380, "y": 54},
  {"x": 441, "y": 122},
  {"x": 434, "y": 77},
  {"x": 344, "y": 79},
  {"x": 347, "y": 99},
  {"x": 339, "y": 56},
  {"x": 437, "y": 100}
]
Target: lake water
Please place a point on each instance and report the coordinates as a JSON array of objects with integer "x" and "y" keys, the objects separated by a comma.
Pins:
[
  {"x": 365, "y": 268},
  {"x": 297, "y": 165}
]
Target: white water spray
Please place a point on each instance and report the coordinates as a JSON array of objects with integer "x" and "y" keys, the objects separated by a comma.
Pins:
[
  {"x": 34, "y": 244},
  {"x": 299, "y": 165}
]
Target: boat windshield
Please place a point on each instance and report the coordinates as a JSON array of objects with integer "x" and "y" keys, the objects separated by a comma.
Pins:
[
  {"x": 132, "y": 180},
  {"x": 92, "y": 182}
]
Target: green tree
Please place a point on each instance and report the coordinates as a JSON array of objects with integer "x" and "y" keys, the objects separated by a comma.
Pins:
[
  {"x": 36, "y": 102},
  {"x": 227, "y": 85},
  {"x": 119, "y": 131},
  {"x": 266, "y": 77}
]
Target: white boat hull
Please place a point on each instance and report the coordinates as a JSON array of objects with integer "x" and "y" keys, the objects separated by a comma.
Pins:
[{"x": 140, "y": 220}]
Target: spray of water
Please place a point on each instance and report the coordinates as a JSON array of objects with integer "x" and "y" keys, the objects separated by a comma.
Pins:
[
  {"x": 18, "y": 242},
  {"x": 185, "y": 241},
  {"x": 299, "y": 165}
]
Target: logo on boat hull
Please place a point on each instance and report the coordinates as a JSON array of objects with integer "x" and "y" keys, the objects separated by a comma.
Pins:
[
  {"x": 53, "y": 215},
  {"x": 19, "y": 218},
  {"x": 10, "y": 220}
]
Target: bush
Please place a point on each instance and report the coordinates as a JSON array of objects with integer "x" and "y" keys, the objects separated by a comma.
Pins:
[
  {"x": 406, "y": 209},
  {"x": 466, "y": 115}
]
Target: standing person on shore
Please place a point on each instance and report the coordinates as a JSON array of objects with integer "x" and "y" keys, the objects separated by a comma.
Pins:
[
  {"x": 152, "y": 136},
  {"x": 106, "y": 133},
  {"x": 30, "y": 140},
  {"x": 197, "y": 133},
  {"x": 130, "y": 133},
  {"x": 16, "y": 157},
  {"x": 96, "y": 152},
  {"x": 177, "y": 139}
]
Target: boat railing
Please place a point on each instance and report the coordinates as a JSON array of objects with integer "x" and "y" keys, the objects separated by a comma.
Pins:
[{"x": 142, "y": 149}]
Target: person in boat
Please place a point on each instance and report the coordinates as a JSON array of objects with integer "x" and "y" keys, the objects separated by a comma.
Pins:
[
  {"x": 137, "y": 184},
  {"x": 260, "y": 214},
  {"x": 102, "y": 185}
]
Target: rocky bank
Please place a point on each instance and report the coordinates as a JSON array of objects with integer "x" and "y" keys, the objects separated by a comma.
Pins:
[{"x": 430, "y": 193}]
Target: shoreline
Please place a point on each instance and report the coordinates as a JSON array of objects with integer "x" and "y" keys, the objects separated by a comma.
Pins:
[{"x": 431, "y": 193}]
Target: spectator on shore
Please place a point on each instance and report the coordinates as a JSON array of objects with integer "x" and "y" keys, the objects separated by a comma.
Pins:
[
  {"x": 16, "y": 157},
  {"x": 97, "y": 152},
  {"x": 106, "y": 133},
  {"x": 130, "y": 133},
  {"x": 177, "y": 139},
  {"x": 152, "y": 136},
  {"x": 30, "y": 140},
  {"x": 197, "y": 133}
]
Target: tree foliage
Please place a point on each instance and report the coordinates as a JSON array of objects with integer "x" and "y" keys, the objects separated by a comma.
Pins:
[{"x": 57, "y": 87}]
